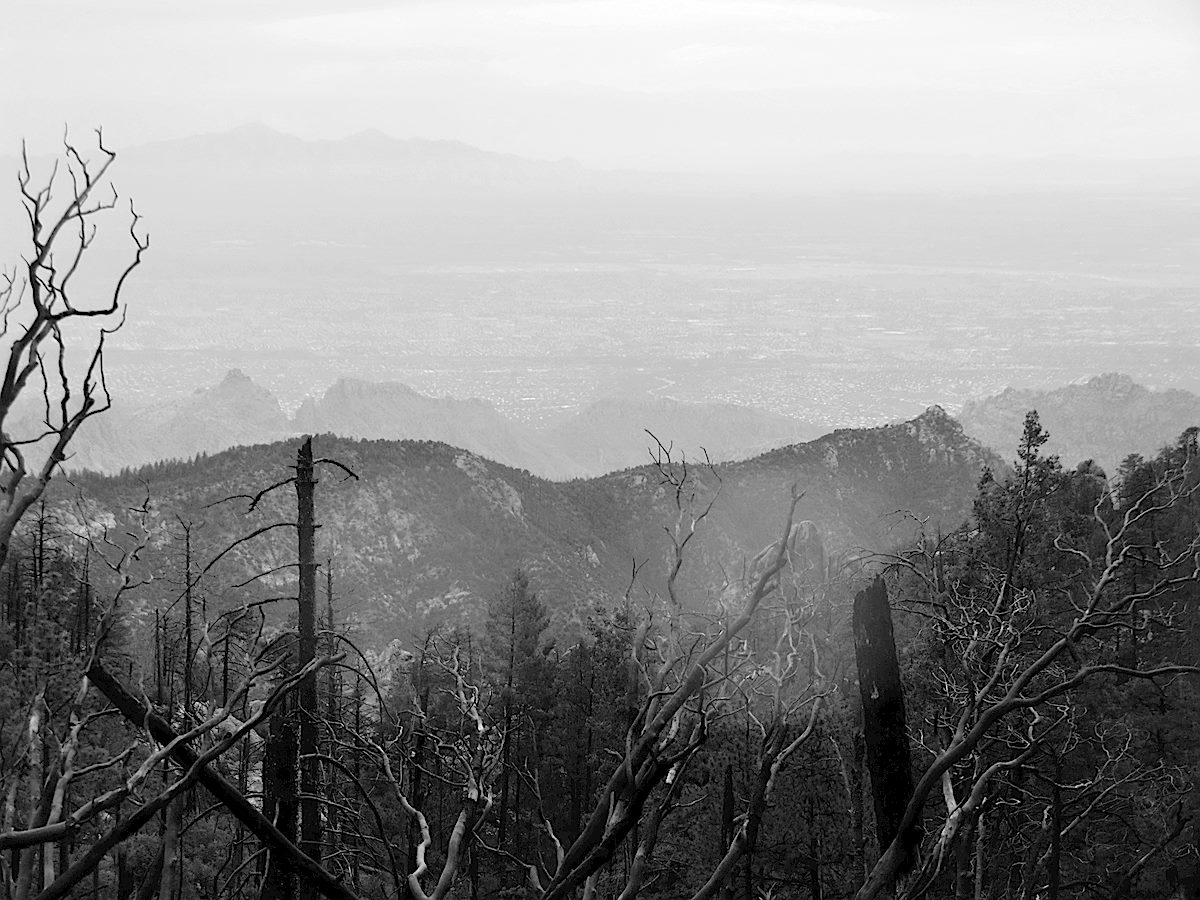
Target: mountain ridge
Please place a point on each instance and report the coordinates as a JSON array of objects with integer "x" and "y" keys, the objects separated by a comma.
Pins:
[
  {"x": 428, "y": 531},
  {"x": 600, "y": 437},
  {"x": 1104, "y": 418}
]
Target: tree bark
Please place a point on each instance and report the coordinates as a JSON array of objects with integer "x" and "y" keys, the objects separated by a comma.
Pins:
[
  {"x": 727, "y": 802},
  {"x": 884, "y": 719},
  {"x": 280, "y": 802},
  {"x": 1054, "y": 865},
  {"x": 169, "y": 876},
  {"x": 310, "y": 781}
]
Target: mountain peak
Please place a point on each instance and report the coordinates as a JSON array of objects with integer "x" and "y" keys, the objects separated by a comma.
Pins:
[
  {"x": 1115, "y": 384},
  {"x": 936, "y": 416},
  {"x": 937, "y": 425}
]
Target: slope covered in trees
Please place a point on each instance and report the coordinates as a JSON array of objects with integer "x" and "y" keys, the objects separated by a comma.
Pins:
[
  {"x": 427, "y": 530},
  {"x": 701, "y": 735}
]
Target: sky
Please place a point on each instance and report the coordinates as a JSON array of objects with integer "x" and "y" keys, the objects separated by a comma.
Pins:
[{"x": 688, "y": 85}]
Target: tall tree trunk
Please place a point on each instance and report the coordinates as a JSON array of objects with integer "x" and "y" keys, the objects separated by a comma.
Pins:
[
  {"x": 506, "y": 743},
  {"x": 884, "y": 720},
  {"x": 814, "y": 854},
  {"x": 980, "y": 851},
  {"x": 279, "y": 799},
  {"x": 169, "y": 878},
  {"x": 188, "y": 649},
  {"x": 28, "y": 865},
  {"x": 189, "y": 798},
  {"x": 310, "y": 781},
  {"x": 964, "y": 859},
  {"x": 126, "y": 884},
  {"x": 1054, "y": 864},
  {"x": 727, "y": 804},
  {"x": 332, "y": 700}
]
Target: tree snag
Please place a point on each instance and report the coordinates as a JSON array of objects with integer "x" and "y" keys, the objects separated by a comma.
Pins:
[{"x": 884, "y": 723}]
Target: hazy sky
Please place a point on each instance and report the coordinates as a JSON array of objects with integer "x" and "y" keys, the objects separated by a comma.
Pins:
[{"x": 681, "y": 84}]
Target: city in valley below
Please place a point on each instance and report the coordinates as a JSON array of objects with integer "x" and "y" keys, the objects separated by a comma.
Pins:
[{"x": 833, "y": 332}]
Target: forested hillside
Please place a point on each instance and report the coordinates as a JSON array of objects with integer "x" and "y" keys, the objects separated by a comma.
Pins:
[
  {"x": 427, "y": 532},
  {"x": 711, "y": 727}
]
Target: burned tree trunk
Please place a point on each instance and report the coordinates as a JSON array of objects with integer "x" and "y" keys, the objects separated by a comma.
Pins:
[
  {"x": 310, "y": 814},
  {"x": 884, "y": 724},
  {"x": 280, "y": 800},
  {"x": 727, "y": 830}
]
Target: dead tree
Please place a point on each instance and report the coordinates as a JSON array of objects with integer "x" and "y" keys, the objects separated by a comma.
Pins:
[
  {"x": 41, "y": 317},
  {"x": 885, "y": 725},
  {"x": 310, "y": 781},
  {"x": 293, "y": 746}
]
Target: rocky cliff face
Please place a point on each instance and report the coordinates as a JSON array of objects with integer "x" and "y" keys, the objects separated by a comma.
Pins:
[{"x": 1104, "y": 418}]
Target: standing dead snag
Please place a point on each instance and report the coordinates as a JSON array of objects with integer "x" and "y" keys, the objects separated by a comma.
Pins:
[
  {"x": 310, "y": 814},
  {"x": 37, "y": 309},
  {"x": 884, "y": 722},
  {"x": 302, "y": 754}
]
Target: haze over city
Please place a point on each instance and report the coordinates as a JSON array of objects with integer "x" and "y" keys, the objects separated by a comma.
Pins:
[{"x": 836, "y": 211}]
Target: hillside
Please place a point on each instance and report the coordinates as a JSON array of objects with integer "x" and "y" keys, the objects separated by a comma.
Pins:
[
  {"x": 429, "y": 531},
  {"x": 1104, "y": 418}
]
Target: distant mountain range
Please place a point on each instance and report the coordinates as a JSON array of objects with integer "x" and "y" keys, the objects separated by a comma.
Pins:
[
  {"x": 429, "y": 531},
  {"x": 1104, "y": 418},
  {"x": 602, "y": 437},
  {"x": 254, "y": 201},
  {"x": 257, "y": 157},
  {"x": 276, "y": 197}
]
